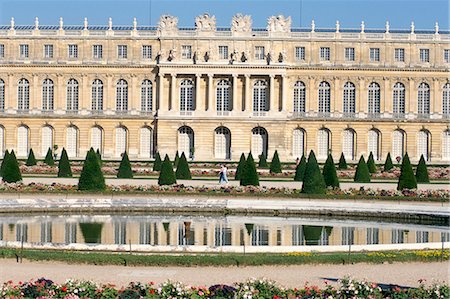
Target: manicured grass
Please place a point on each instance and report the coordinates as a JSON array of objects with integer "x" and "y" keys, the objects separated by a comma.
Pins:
[{"x": 187, "y": 260}]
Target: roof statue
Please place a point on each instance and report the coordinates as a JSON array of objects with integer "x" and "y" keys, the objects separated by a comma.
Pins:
[
  {"x": 279, "y": 24},
  {"x": 205, "y": 22},
  {"x": 241, "y": 23},
  {"x": 168, "y": 23}
]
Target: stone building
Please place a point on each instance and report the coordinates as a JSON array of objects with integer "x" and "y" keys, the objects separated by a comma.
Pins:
[{"x": 215, "y": 93}]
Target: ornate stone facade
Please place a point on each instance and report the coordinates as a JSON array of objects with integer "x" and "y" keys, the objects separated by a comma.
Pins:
[{"x": 217, "y": 92}]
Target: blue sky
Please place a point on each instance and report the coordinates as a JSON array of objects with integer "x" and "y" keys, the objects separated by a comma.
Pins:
[{"x": 350, "y": 13}]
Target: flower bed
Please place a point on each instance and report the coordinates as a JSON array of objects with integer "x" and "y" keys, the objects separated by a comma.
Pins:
[{"x": 250, "y": 289}]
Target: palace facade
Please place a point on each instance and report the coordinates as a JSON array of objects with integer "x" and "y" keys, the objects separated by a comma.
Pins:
[{"x": 215, "y": 93}]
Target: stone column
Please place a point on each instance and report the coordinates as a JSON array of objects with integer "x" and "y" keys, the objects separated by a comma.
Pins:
[
  {"x": 161, "y": 105},
  {"x": 84, "y": 94},
  {"x": 284, "y": 83},
  {"x": 384, "y": 95},
  {"x": 34, "y": 93},
  {"x": 412, "y": 97},
  {"x": 435, "y": 104},
  {"x": 11, "y": 93},
  {"x": 134, "y": 103},
  {"x": 59, "y": 93},
  {"x": 174, "y": 103},
  {"x": 211, "y": 105},
  {"x": 199, "y": 101},
  {"x": 388, "y": 99},
  {"x": 236, "y": 103},
  {"x": 247, "y": 100},
  {"x": 272, "y": 105},
  {"x": 109, "y": 94},
  {"x": 311, "y": 95},
  {"x": 362, "y": 99},
  {"x": 336, "y": 95}
]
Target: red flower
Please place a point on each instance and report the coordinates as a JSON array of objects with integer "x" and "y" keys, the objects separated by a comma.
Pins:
[{"x": 64, "y": 289}]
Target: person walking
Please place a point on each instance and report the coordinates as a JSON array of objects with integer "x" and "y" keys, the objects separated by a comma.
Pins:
[{"x": 223, "y": 175}]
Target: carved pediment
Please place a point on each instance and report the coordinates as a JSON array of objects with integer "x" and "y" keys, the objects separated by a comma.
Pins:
[
  {"x": 279, "y": 24},
  {"x": 241, "y": 23},
  {"x": 168, "y": 23},
  {"x": 205, "y": 22}
]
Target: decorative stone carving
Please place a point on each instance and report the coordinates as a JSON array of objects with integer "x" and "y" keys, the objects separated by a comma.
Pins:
[
  {"x": 269, "y": 58},
  {"x": 206, "y": 57},
  {"x": 387, "y": 26},
  {"x": 436, "y": 28},
  {"x": 61, "y": 23},
  {"x": 172, "y": 54},
  {"x": 195, "y": 56},
  {"x": 241, "y": 23},
  {"x": 205, "y": 22},
  {"x": 12, "y": 24},
  {"x": 168, "y": 23},
  {"x": 282, "y": 56},
  {"x": 245, "y": 55},
  {"x": 412, "y": 27},
  {"x": 85, "y": 24},
  {"x": 110, "y": 24},
  {"x": 36, "y": 23},
  {"x": 279, "y": 24},
  {"x": 159, "y": 56},
  {"x": 234, "y": 56},
  {"x": 313, "y": 26}
]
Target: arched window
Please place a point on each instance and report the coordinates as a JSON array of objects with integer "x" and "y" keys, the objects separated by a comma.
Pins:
[
  {"x": 23, "y": 95},
  {"x": 324, "y": 97},
  {"x": 323, "y": 143},
  {"x": 423, "y": 144},
  {"x": 222, "y": 143},
  {"x": 260, "y": 103},
  {"x": 186, "y": 141},
  {"x": 298, "y": 143},
  {"x": 398, "y": 97},
  {"x": 97, "y": 139},
  {"x": 373, "y": 143},
  {"x": 72, "y": 141},
  {"x": 373, "y": 99},
  {"x": 121, "y": 141},
  {"x": 47, "y": 95},
  {"x": 398, "y": 144},
  {"x": 97, "y": 95},
  {"x": 122, "y": 96},
  {"x": 2, "y": 141},
  {"x": 349, "y": 100},
  {"x": 2, "y": 95},
  {"x": 146, "y": 142},
  {"x": 72, "y": 95},
  {"x": 146, "y": 95},
  {"x": 223, "y": 95},
  {"x": 348, "y": 144},
  {"x": 445, "y": 99},
  {"x": 47, "y": 140},
  {"x": 22, "y": 141},
  {"x": 186, "y": 95},
  {"x": 260, "y": 141},
  {"x": 423, "y": 99},
  {"x": 299, "y": 97},
  {"x": 446, "y": 145}
]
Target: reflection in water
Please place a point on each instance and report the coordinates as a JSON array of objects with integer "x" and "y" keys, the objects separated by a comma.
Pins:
[{"x": 178, "y": 230}]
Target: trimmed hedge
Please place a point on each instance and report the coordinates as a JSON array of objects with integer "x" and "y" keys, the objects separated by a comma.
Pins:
[
  {"x": 275, "y": 165},
  {"x": 157, "y": 164},
  {"x": 99, "y": 157},
  {"x": 31, "y": 160},
  {"x": 91, "y": 177},
  {"x": 388, "y": 165},
  {"x": 237, "y": 175},
  {"x": 11, "y": 170},
  {"x": 263, "y": 161},
  {"x": 49, "y": 158},
  {"x": 362, "y": 174},
  {"x": 125, "y": 171},
  {"x": 422, "y": 171},
  {"x": 5, "y": 156},
  {"x": 300, "y": 170},
  {"x": 407, "y": 180},
  {"x": 64, "y": 170},
  {"x": 371, "y": 164},
  {"x": 176, "y": 159},
  {"x": 183, "y": 172},
  {"x": 342, "y": 163},
  {"x": 249, "y": 175},
  {"x": 166, "y": 176},
  {"x": 313, "y": 182},
  {"x": 329, "y": 173}
]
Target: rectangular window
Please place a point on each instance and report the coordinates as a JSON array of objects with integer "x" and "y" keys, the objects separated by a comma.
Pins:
[
  {"x": 122, "y": 52},
  {"x": 146, "y": 52},
  {"x": 186, "y": 52},
  {"x": 97, "y": 51},
  {"x": 399, "y": 55},
  {"x": 446, "y": 54},
  {"x": 23, "y": 51},
  {"x": 48, "y": 51},
  {"x": 73, "y": 51},
  {"x": 259, "y": 53},
  {"x": 349, "y": 54},
  {"x": 424, "y": 55},
  {"x": 2, "y": 51},
  {"x": 223, "y": 52},
  {"x": 300, "y": 53},
  {"x": 374, "y": 54},
  {"x": 324, "y": 53}
]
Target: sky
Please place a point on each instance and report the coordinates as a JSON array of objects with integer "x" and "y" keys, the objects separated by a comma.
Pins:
[{"x": 350, "y": 13}]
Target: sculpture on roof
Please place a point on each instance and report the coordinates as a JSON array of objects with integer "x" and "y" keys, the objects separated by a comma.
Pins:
[
  {"x": 168, "y": 23},
  {"x": 205, "y": 22},
  {"x": 241, "y": 23},
  {"x": 279, "y": 24}
]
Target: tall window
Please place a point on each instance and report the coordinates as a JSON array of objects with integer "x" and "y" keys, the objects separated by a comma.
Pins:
[
  {"x": 374, "y": 98},
  {"x": 23, "y": 95},
  {"x": 186, "y": 52},
  {"x": 323, "y": 143},
  {"x": 122, "y": 52},
  {"x": 349, "y": 54},
  {"x": 324, "y": 97},
  {"x": 223, "y": 52},
  {"x": 22, "y": 141},
  {"x": 186, "y": 96},
  {"x": 299, "y": 97},
  {"x": 2, "y": 95},
  {"x": 259, "y": 142},
  {"x": 446, "y": 55},
  {"x": 349, "y": 98},
  {"x": 47, "y": 95},
  {"x": 97, "y": 51},
  {"x": 47, "y": 140},
  {"x": 445, "y": 98},
  {"x": 97, "y": 139},
  {"x": 122, "y": 96},
  {"x": 186, "y": 141},
  {"x": 423, "y": 144},
  {"x": 121, "y": 141},
  {"x": 72, "y": 95},
  {"x": 373, "y": 143},
  {"x": 374, "y": 54},
  {"x": 146, "y": 95},
  {"x": 97, "y": 95},
  {"x": 23, "y": 51},
  {"x": 300, "y": 53},
  {"x": 446, "y": 145},
  {"x": 260, "y": 103},
  {"x": 348, "y": 144},
  {"x": 424, "y": 55},
  {"x": 2, "y": 51},
  {"x": 2, "y": 141},
  {"x": 73, "y": 51},
  {"x": 146, "y": 52},
  {"x": 223, "y": 95},
  {"x": 146, "y": 142},
  {"x": 298, "y": 143},
  {"x": 398, "y": 144},
  {"x": 222, "y": 143},
  {"x": 48, "y": 51},
  {"x": 423, "y": 99},
  {"x": 372, "y": 236},
  {"x": 324, "y": 54},
  {"x": 398, "y": 97},
  {"x": 399, "y": 55},
  {"x": 72, "y": 141},
  {"x": 259, "y": 53}
]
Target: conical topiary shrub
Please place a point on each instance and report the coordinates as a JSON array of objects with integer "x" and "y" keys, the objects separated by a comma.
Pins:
[
  {"x": 176, "y": 159},
  {"x": 31, "y": 160},
  {"x": 125, "y": 171},
  {"x": 407, "y": 180},
  {"x": 275, "y": 165},
  {"x": 388, "y": 165},
  {"x": 249, "y": 176},
  {"x": 300, "y": 169},
  {"x": 91, "y": 178},
  {"x": 362, "y": 174},
  {"x": 157, "y": 163},
  {"x": 166, "y": 176},
  {"x": 422, "y": 171},
  {"x": 263, "y": 161},
  {"x": 313, "y": 182},
  {"x": 183, "y": 172},
  {"x": 342, "y": 163},
  {"x": 11, "y": 170},
  {"x": 371, "y": 164},
  {"x": 49, "y": 158},
  {"x": 237, "y": 175},
  {"x": 329, "y": 173},
  {"x": 99, "y": 156},
  {"x": 64, "y": 170},
  {"x": 3, "y": 162}
]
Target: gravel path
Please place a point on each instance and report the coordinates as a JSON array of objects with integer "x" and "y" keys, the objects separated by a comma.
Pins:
[{"x": 405, "y": 274}]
